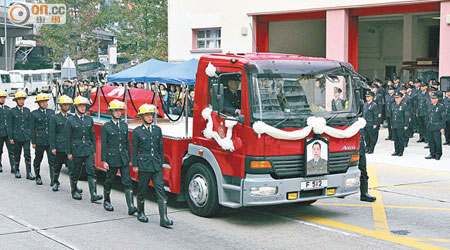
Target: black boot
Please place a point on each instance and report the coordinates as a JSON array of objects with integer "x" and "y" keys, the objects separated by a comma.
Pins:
[
  {"x": 365, "y": 196},
  {"x": 141, "y": 213},
  {"x": 18, "y": 172},
  {"x": 163, "y": 220},
  {"x": 75, "y": 194},
  {"x": 55, "y": 186},
  {"x": 129, "y": 197},
  {"x": 29, "y": 174},
  {"x": 93, "y": 190},
  {"x": 1, "y": 169},
  {"x": 37, "y": 172},
  {"x": 52, "y": 174},
  {"x": 107, "y": 201}
]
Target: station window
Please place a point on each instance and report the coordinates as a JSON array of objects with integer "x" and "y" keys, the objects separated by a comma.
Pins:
[{"x": 207, "y": 38}]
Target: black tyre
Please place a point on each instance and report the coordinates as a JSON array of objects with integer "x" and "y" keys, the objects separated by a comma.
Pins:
[{"x": 200, "y": 188}]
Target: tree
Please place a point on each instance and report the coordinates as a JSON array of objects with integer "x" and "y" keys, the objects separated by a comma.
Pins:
[
  {"x": 76, "y": 37},
  {"x": 142, "y": 29}
]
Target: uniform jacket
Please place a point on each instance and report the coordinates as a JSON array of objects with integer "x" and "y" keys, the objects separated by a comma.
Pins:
[
  {"x": 389, "y": 101},
  {"x": 40, "y": 126},
  {"x": 57, "y": 136},
  {"x": 231, "y": 101},
  {"x": 447, "y": 108},
  {"x": 399, "y": 115},
  {"x": 370, "y": 113},
  {"x": 4, "y": 120},
  {"x": 80, "y": 136},
  {"x": 422, "y": 108},
  {"x": 115, "y": 144},
  {"x": 318, "y": 168},
  {"x": 148, "y": 153},
  {"x": 334, "y": 107},
  {"x": 19, "y": 124},
  {"x": 436, "y": 117}
]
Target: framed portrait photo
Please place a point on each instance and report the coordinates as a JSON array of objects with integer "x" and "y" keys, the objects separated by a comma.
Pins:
[{"x": 316, "y": 155}]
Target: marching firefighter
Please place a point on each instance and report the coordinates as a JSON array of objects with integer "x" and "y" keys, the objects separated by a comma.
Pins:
[
  {"x": 19, "y": 133},
  {"x": 40, "y": 128},
  {"x": 116, "y": 154},
  {"x": 400, "y": 120},
  {"x": 435, "y": 127},
  {"x": 362, "y": 165},
  {"x": 58, "y": 140},
  {"x": 80, "y": 147},
  {"x": 370, "y": 113},
  {"x": 4, "y": 110},
  {"x": 148, "y": 158}
]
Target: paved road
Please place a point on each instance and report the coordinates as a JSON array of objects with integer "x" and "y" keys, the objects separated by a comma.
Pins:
[{"x": 412, "y": 211}]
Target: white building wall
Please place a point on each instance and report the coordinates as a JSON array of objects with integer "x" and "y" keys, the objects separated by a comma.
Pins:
[{"x": 233, "y": 15}]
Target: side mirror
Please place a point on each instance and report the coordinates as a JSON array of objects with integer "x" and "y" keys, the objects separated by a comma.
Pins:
[
  {"x": 241, "y": 119},
  {"x": 217, "y": 98}
]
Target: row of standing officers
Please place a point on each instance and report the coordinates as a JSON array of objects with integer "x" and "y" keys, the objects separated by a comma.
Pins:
[
  {"x": 69, "y": 140},
  {"x": 416, "y": 107}
]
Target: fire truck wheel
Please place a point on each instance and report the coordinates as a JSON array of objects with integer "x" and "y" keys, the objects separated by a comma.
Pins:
[
  {"x": 201, "y": 190},
  {"x": 306, "y": 203}
]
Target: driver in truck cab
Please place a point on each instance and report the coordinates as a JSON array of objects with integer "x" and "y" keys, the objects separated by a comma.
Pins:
[{"x": 232, "y": 96}]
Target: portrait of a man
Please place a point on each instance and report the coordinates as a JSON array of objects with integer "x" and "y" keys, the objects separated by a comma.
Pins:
[{"x": 317, "y": 163}]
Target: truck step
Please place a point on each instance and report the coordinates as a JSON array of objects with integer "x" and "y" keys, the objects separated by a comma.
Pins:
[
  {"x": 231, "y": 187},
  {"x": 231, "y": 204}
]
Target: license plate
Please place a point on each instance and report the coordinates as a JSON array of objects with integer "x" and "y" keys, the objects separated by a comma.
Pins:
[{"x": 315, "y": 184}]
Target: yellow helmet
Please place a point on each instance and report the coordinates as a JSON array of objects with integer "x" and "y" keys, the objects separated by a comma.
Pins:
[
  {"x": 116, "y": 104},
  {"x": 80, "y": 100},
  {"x": 146, "y": 108},
  {"x": 93, "y": 90},
  {"x": 64, "y": 99},
  {"x": 42, "y": 97},
  {"x": 19, "y": 94},
  {"x": 3, "y": 93}
]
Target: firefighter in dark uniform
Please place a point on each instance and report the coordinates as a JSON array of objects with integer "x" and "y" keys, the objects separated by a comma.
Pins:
[
  {"x": 380, "y": 96},
  {"x": 400, "y": 118},
  {"x": 19, "y": 133},
  {"x": 232, "y": 96},
  {"x": 447, "y": 116},
  {"x": 80, "y": 147},
  {"x": 407, "y": 100},
  {"x": 370, "y": 114},
  {"x": 40, "y": 132},
  {"x": 412, "y": 96},
  {"x": 389, "y": 102},
  {"x": 435, "y": 127},
  {"x": 337, "y": 104},
  {"x": 116, "y": 154},
  {"x": 148, "y": 158},
  {"x": 58, "y": 140},
  {"x": 422, "y": 112},
  {"x": 362, "y": 165},
  {"x": 4, "y": 110}
]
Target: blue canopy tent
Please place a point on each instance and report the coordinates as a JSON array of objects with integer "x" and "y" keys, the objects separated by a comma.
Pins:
[
  {"x": 178, "y": 74},
  {"x": 140, "y": 72}
]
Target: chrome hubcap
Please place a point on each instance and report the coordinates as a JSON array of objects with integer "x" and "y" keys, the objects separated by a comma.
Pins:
[{"x": 198, "y": 190}]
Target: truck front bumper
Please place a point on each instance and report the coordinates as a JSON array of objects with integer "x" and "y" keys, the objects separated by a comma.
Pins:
[{"x": 276, "y": 191}]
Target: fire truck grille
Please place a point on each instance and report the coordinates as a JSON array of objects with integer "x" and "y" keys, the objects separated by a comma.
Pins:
[
  {"x": 339, "y": 161},
  {"x": 288, "y": 166}
]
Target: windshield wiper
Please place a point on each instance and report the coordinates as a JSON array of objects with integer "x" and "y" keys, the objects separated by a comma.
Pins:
[
  {"x": 285, "y": 119},
  {"x": 329, "y": 119},
  {"x": 300, "y": 116}
]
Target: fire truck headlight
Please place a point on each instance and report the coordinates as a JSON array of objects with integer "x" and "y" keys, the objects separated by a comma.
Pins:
[
  {"x": 263, "y": 191},
  {"x": 352, "y": 182}
]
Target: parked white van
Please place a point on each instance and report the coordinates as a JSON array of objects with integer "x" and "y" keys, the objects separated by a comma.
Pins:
[
  {"x": 48, "y": 75},
  {"x": 33, "y": 82},
  {"x": 16, "y": 82},
  {"x": 5, "y": 81}
]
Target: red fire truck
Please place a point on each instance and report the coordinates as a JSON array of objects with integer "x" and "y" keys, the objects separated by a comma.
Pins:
[{"x": 218, "y": 158}]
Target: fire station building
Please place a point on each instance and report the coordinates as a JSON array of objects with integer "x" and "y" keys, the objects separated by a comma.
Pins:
[{"x": 378, "y": 37}]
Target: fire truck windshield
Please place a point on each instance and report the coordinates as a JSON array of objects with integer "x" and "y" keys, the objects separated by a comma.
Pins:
[{"x": 285, "y": 93}]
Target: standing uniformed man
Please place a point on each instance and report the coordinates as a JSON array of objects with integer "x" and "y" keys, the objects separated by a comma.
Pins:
[
  {"x": 389, "y": 102},
  {"x": 400, "y": 118},
  {"x": 370, "y": 114},
  {"x": 362, "y": 165},
  {"x": 58, "y": 140},
  {"x": 4, "y": 110},
  {"x": 148, "y": 158},
  {"x": 80, "y": 147},
  {"x": 447, "y": 117},
  {"x": 40, "y": 132},
  {"x": 19, "y": 132},
  {"x": 116, "y": 154},
  {"x": 435, "y": 127},
  {"x": 380, "y": 95},
  {"x": 408, "y": 102},
  {"x": 338, "y": 104}
]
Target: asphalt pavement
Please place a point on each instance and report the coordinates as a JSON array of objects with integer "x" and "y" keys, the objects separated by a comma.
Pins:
[{"x": 412, "y": 211}]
